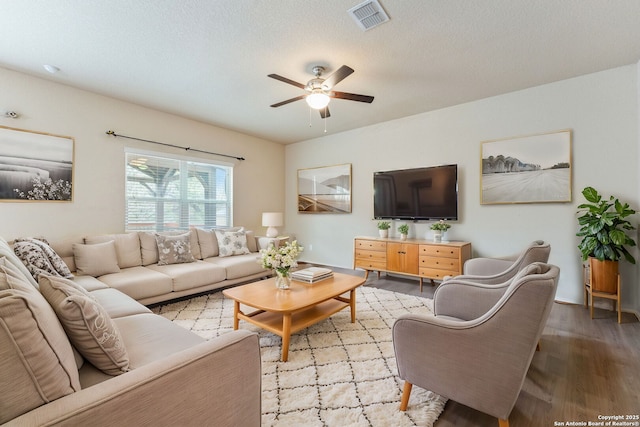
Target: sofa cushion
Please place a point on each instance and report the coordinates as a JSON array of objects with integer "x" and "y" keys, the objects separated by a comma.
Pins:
[
  {"x": 96, "y": 260},
  {"x": 7, "y": 252},
  {"x": 239, "y": 266},
  {"x": 149, "y": 246},
  {"x": 92, "y": 332},
  {"x": 174, "y": 249},
  {"x": 208, "y": 243},
  {"x": 39, "y": 258},
  {"x": 55, "y": 289},
  {"x": 90, "y": 283},
  {"x": 232, "y": 243},
  {"x": 139, "y": 282},
  {"x": 192, "y": 275},
  {"x": 118, "y": 304},
  {"x": 37, "y": 364},
  {"x": 149, "y": 337},
  {"x": 127, "y": 247}
]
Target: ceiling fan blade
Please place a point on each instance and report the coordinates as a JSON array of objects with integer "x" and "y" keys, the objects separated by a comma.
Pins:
[
  {"x": 340, "y": 74},
  {"x": 297, "y": 98},
  {"x": 324, "y": 112},
  {"x": 286, "y": 80},
  {"x": 352, "y": 97}
]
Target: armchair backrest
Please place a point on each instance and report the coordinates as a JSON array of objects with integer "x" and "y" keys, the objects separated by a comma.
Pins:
[{"x": 499, "y": 270}]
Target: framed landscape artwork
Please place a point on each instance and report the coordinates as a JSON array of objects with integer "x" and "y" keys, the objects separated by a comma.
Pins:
[
  {"x": 35, "y": 166},
  {"x": 527, "y": 169},
  {"x": 325, "y": 189}
]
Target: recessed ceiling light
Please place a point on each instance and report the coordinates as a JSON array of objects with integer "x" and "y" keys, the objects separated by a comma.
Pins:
[{"x": 51, "y": 68}]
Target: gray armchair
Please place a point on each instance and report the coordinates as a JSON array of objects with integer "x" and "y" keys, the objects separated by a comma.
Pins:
[
  {"x": 500, "y": 270},
  {"x": 477, "y": 357}
]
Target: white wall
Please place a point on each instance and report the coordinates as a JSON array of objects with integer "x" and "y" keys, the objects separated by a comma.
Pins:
[
  {"x": 98, "y": 205},
  {"x": 602, "y": 111}
]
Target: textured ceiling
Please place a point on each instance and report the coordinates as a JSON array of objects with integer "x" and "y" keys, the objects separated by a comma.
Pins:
[{"x": 209, "y": 60}]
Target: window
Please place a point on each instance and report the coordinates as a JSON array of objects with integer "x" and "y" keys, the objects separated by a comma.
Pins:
[{"x": 170, "y": 193}]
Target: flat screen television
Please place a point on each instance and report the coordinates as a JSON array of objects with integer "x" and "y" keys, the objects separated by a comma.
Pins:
[{"x": 428, "y": 193}]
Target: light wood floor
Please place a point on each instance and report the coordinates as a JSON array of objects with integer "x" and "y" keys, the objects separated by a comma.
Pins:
[{"x": 585, "y": 368}]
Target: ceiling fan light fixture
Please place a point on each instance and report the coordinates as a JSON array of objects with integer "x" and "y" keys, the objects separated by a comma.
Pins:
[{"x": 317, "y": 99}]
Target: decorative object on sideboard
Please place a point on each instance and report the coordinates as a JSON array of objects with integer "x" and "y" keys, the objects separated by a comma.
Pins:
[
  {"x": 383, "y": 228},
  {"x": 527, "y": 169},
  {"x": 35, "y": 166},
  {"x": 281, "y": 259},
  {"x": 272, "y": 220},
  {"x": 439, "y": 228},
  {"x": 404, "y": 231},
  {"x": 603, "y": 228}
]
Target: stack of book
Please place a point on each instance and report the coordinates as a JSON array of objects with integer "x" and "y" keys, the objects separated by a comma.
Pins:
[{"x": 312, "y": 274}]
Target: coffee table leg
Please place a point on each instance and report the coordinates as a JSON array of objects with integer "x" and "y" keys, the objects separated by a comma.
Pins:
[
  {"x": 352, "y": 298},
  {"x": 236, "y": 310},
  {"x": 286, "y": 335}
]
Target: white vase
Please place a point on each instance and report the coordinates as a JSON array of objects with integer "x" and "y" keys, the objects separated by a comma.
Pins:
[
  {"x": 384, "y": 233},
  {"x": 437, "y": 236},
  {"x": 403, "y": 236}
]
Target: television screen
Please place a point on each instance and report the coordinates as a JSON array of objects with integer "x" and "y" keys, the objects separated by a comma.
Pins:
[{"x": 429, "y": 193}]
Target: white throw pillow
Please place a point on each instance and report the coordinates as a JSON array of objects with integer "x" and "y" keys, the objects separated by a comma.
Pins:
[
  {"x": 232, "y": 243},
  {"x": 96, "y": 260}
]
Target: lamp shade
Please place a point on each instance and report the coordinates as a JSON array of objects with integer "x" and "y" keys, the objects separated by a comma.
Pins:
[{"x": 272, "y": 220}]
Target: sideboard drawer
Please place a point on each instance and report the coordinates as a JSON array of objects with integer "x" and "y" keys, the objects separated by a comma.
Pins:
[
  {"x": 440, "y": 251},
  {"x": 371, "y": 245},
  {"x": 371, "y": 265},
  {"x": 435, "y": 273},
  {"x": 439, "y": 263},
  {"x": 365, "y": 254}
]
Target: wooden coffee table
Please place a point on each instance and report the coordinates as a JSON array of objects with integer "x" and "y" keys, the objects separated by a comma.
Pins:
[{"x": 285, "y": 312}]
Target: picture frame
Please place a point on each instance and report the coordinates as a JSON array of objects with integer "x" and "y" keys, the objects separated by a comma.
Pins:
[
  {"x": 325, "y": 189},
  {"x": 35, "y": 166},
  {"x": 527, "y": 169}
]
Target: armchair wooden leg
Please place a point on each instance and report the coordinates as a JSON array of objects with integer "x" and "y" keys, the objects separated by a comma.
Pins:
[
  {"x": 503, "y": 423},
  {"x": 404, "y": 402}
]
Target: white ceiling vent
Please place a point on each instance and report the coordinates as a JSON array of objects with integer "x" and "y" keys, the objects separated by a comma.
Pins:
[{"x": 368, "y": 14}]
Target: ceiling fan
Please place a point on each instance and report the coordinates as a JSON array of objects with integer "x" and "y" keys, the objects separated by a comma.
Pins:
[{"x": 319, "y": 91}]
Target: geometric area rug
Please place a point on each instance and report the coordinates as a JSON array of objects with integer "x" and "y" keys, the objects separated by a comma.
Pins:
[{"x": 338, "y": 374}]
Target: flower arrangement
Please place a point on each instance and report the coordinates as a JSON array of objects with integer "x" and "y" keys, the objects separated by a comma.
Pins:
[
  {"x": 403, "y": 229},
  {"x": 384, "y": 225},
  {"x": 440, "y": 226},
  {"x": 281, "y": 259}
]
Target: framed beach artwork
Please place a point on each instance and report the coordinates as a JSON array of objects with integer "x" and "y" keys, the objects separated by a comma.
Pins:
[
  {"x": 325, "y": 189},
  {"x": 527, "y": 169},
  {"x": 35, "y": 166}
]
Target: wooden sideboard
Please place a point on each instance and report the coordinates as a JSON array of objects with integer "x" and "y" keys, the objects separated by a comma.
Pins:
[{"x": 412, "y": 257}]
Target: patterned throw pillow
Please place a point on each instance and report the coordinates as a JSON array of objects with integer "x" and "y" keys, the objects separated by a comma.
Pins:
[
  {"x": 92, "y": 332},
  {"x": 39, "y": 257},
  {"x": 174, "y": 249},
  {"x": 232, "y": 243}
]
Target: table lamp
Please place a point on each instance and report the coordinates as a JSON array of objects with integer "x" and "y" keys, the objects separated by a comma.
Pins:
[{"x": 272, "y": 220}]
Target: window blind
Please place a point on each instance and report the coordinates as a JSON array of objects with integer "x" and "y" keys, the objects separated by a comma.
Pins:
[{"x": 167, "y": 193}]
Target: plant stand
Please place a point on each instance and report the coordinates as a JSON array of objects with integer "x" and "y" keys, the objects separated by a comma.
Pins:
[{"x": 589, "y": 294}]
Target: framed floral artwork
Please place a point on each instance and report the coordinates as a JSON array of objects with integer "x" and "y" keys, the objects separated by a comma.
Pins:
[
  {"x": 35, "y": 166},
  {"x": 526, "y": 169},
  {"x": 325, "y": 189}
]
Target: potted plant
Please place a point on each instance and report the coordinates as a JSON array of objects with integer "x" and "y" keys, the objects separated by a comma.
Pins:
[
  {"x": 404, "y": 230},
  {"x": 439, "y": 228},
  {"x": 603, "y": 227},
  {"x": 383, "y": 228}
]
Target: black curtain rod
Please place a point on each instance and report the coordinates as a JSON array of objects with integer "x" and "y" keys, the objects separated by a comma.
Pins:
[{"x": 110, "y": 132}]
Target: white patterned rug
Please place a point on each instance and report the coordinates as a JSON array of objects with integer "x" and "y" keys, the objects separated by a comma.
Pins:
[{"x": 338, "y": 374}]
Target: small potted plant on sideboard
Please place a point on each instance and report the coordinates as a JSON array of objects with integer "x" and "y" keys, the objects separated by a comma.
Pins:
[
  {"x": 383, "y": 228},
  {"x": 404, "y": 231},
  {"x": 439, "y": 228},
  {"x": 603, "y": 227}
]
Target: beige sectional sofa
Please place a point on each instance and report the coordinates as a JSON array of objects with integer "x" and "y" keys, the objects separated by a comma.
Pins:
[
  {"x": 135, "y": 271},
  {"x": 56, "y": 334}
]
